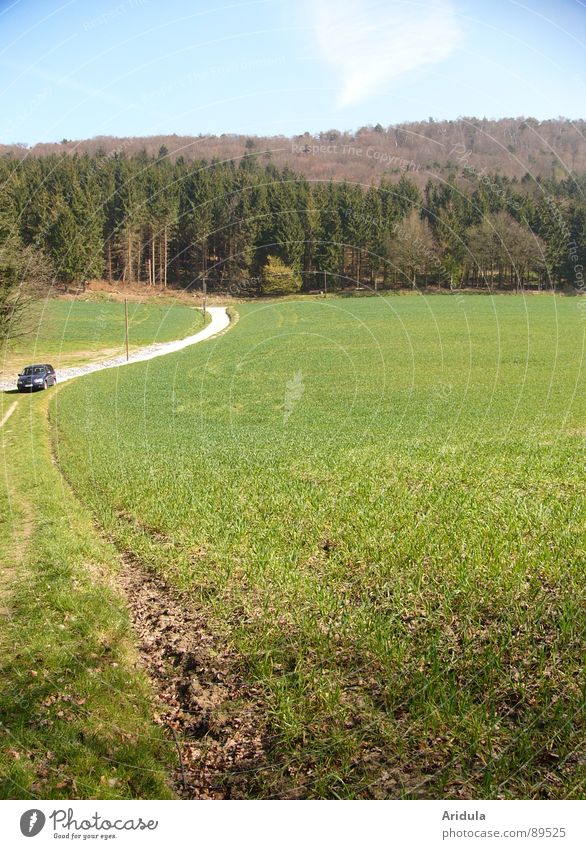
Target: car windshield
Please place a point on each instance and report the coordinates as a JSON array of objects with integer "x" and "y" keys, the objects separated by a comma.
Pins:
[{"x": 34, "y": 370}]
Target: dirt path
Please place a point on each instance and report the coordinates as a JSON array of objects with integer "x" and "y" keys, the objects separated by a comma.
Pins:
[{"x": 220, "y": 320}]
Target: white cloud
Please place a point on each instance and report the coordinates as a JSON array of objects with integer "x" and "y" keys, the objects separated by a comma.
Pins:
[{"x": 374, "y": 43}]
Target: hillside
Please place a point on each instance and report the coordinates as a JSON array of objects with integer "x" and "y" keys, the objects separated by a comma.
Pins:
[{"x": 509, "y": 146}]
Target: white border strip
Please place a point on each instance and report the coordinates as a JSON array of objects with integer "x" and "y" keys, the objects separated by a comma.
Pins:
[{"x": 8, "y": 413}]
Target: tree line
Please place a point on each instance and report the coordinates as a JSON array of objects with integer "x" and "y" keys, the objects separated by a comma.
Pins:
[{"x": 148, "y": 220}]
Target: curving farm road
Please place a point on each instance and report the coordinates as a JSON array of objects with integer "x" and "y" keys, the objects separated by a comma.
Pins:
[{"x": 220, "y": 320}]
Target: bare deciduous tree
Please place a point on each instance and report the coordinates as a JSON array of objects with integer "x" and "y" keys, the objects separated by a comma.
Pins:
[{"x": 412, "y": 249}]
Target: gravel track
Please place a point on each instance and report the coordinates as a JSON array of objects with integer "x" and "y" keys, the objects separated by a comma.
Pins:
[{"x": 220, "y": 320}]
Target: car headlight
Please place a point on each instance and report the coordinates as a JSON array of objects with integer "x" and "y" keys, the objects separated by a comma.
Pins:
[{"x": 38, "y": 380}]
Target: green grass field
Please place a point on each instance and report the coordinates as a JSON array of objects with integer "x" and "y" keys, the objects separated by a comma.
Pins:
[
  {"x": 76, "y": 331},
  {"x": 381, "y": 505}
]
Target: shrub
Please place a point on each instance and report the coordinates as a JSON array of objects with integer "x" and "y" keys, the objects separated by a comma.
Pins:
[{"x": 279, "y": 279}]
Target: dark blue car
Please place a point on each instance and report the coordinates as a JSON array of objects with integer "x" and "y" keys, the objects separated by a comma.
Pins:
[{"x": 36, "y": 377}]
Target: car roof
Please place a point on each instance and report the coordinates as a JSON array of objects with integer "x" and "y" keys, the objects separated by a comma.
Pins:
[{"x": 38, "y": 365}]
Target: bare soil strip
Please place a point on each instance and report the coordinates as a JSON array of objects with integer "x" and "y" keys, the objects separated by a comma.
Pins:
[{"x": 216, "y": 718}]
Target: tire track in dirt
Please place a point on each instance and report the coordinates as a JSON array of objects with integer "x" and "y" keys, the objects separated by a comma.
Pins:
[{"x": 216, "y": 717}]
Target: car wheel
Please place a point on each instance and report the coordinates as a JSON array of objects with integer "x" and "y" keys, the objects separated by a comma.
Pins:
[{"x": 45, "y": 384}]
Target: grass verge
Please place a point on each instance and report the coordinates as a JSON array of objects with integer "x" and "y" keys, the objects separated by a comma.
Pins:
[{"x": 76, "y": 715}]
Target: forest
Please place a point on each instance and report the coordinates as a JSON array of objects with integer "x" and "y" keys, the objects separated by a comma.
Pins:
[
  {"x": 506, "y": 146},
  {"x": 160, "y": 221}
]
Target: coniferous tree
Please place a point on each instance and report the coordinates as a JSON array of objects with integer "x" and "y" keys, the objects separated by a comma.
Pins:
[
  {"x": 144, "y": 218},
  {"x": 329, "y": 243}
]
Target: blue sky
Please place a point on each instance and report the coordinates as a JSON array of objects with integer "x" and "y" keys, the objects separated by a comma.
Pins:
[{"x": 81, "y": 68}]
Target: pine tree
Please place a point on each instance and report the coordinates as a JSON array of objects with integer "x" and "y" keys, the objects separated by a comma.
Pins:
[
  {"x": 74, "y": 237},
  {"x": 287, "y": 229},
  {"x": 329, "y": 243}
]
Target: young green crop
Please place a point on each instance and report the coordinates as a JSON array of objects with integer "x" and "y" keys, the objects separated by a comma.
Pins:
[{"x": 380, "y": 503}]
